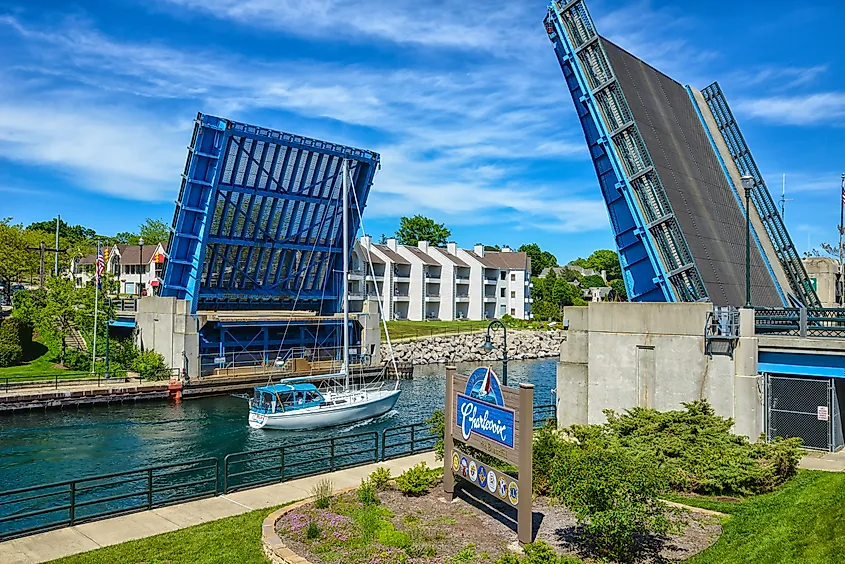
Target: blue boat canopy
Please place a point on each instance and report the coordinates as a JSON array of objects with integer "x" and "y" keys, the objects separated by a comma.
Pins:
[{"x": 282, "y": 388}]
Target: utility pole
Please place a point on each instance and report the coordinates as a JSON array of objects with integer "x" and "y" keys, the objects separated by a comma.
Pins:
[
  {"x": 783, "y": 199},
  {"x": 56, "y": 268},
  {"x": 42, "y": 248},
  {"x": 841, "y": 217}
]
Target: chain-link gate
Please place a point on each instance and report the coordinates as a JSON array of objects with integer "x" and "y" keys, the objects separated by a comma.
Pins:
[{"x": 803, "y": 408}]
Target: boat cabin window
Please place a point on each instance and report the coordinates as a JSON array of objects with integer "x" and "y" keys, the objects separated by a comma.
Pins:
[{"x": 312, "y": 396}]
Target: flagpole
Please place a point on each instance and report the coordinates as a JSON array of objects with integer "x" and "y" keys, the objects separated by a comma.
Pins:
[
  {"x": 96, "y": 303},
  {"x": 841, "y": 217}
]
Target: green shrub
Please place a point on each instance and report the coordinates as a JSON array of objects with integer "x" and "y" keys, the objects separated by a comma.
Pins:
[
  {"x": 418, "y": 480},
  {"x": 27, "y": 305},
  {"x": 16, "y": 331},
  {"x": 150, "y": 366},
  {"x": 549, "y": 441},
  {"x": 614, "y": 494},
  {"x": 465, "y": 555},
  {"x": 312, "y": 531},
  {"x": 537, "y": 553},
  {"x": 380, "y": 478},
  {"x": 77, "y": 360},
  {"x": 367, "y": 493},
  {"x": 123, "y": 352},
  {"x": 10, "y": 355},
  {"x": 701, "y": 454},
  {"x": 322, "y": 493},
  {"x": 437, "y": 427}
]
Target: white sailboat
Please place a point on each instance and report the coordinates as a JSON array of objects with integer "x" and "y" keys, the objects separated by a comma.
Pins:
[{"x": 295, "y": 403}]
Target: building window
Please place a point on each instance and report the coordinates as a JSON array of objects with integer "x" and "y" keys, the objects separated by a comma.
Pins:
[
  {"x": 504, "y": 275},
  {"x": 513, "y": 294},
  {"x": 513, "y": 277},
  {"x": 513, "y": 311},
  {"x": 130, "y": 288},
  {"x": 502, "y": 292}
]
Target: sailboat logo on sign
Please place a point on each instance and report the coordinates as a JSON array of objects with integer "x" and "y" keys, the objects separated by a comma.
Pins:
[{"x": 481, "y": 409}]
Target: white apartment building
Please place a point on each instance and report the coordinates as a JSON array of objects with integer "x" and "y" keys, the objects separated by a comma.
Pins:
[
  {"x": 133, "y": 270},
  {"x": 428, "y": 283}
]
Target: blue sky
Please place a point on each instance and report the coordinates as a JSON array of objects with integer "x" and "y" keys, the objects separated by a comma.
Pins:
[{"x": 464, "y": 101}]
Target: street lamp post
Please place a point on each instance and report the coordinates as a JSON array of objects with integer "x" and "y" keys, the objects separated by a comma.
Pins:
[
  {"x": 748, "y": 184},
  {"x": 140, "y": 266},
  {"x": 489, "y": 346}
]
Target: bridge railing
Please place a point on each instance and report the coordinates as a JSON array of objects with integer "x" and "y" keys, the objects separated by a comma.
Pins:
[
  {"x": 800, "y": 322},
  {"x": 50, "y": 506}
]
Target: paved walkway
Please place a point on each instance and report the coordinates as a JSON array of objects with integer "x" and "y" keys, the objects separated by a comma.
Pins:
[
  {"x": 828, "y": 461},
  {"x": 82, "y": 538}
]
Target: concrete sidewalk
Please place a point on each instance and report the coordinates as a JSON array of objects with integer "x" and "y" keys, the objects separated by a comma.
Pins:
[
  {"x": 82, "y": 538},
  {"x": 827, "y": 461}
]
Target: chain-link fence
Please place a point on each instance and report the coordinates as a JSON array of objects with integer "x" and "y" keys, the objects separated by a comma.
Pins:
[{"x": 806, "y": 408}]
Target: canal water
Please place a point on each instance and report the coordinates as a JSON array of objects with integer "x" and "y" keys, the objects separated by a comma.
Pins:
[{"x": 41, "y": 447}]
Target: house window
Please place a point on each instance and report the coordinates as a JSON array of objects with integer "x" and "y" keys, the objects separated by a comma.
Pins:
[
  {"x": 513, "y": 294},
  {"x": 513, "y": 277},
  {"x": 504, "y": 275},
  {"x": 502, "y": 292},
  {"x": 513, "y": 311},
  {"x": 130, "y": 288}
]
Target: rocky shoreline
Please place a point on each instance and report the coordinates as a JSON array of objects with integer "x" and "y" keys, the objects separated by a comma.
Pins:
[{"x": 464, "y": 347}]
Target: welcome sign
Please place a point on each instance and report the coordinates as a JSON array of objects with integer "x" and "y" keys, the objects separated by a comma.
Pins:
[
  {"x": 484, "y": 415},
  {"x": 481, "y": 409}
]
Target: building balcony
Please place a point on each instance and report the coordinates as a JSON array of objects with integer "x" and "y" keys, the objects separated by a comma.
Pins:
[
  {"x": 490, "y": 280},
  {"x": 356, "y": 296},
  {"x": 369, "y": 276},
  {"x": 462, "y": 298},
  {"x": 461, "y": 280},
  {"x": 529, "y": 300},
  {"x": 432, "y": 297},
  {"x": 401, "y": 277},
  {"x": 432, "y": 277},
  {"x": 401, "y": 297},
  {"x": 489, "y": 299},
  {"x": 357, "y": 274}
]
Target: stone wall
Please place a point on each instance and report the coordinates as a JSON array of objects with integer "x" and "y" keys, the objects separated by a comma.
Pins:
[{"x": 465, "y": 347}]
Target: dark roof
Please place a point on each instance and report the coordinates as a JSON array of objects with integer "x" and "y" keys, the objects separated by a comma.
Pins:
[
  {"x": 392, "y": 255},
  {"x": 371, "y": 256},
  {"x": 455, "y": 260},
  {"x": 129, "y": 253},
  {"x": 510, "y": 260},
  {"x": 88, "y": 259},
  {"x": 422, "y": 256},
  {"x": 483, "y": 260}
]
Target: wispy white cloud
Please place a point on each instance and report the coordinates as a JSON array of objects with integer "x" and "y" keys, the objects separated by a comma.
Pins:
[
  {"x": 803, "y": 109},
  {"x": 455, "y": 143},
  {"x": 779, "y": 77}
]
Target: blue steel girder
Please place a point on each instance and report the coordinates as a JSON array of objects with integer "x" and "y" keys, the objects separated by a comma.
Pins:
[
  {"x": 270, "y": 202},
  {"x": 578, "y": 48}
]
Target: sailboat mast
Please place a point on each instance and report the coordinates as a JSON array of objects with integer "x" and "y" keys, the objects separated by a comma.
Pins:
[{"x": 345, "y": 172}]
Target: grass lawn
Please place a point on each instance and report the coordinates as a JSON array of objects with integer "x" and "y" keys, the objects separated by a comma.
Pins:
[
  {"x": 233, "y": 539},
  {"x": 802, "y": 522},
  {"x": 38, "y": 364},
  {"x": 407, "y": 329}
]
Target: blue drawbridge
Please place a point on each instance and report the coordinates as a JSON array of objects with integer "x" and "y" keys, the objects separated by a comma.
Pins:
[{"x": 669, "y": 160}]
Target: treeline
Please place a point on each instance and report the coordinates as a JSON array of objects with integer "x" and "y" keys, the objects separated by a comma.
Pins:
[{"x": 20, "y": 257}]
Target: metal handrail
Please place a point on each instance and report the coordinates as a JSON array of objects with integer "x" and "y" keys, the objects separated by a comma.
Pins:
[
  {"x": 11, "y": 382},
  {"x": 418, "y": 444},
  {"x": 83, "y": 492}
]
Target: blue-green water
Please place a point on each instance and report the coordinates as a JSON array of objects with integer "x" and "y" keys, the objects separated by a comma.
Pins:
[{"x": 41, "y": 447}]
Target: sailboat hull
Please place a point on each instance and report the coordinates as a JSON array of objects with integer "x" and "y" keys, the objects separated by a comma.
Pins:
[{"x": 377, "y": 403}]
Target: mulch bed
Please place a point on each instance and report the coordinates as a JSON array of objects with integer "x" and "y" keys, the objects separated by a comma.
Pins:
[{"x": 476, "y": 518}]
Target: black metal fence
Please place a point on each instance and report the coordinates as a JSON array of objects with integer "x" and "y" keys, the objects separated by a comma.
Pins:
[
  {"x": 50, "y": 506},
  {"x": 800, "y": 322},
  {"x": 25, "y": 382}
]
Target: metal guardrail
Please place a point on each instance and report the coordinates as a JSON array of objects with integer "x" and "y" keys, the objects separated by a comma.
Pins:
[
  {"x": 123, "y": 304},
  {"x": 412, "y": 439},
  {"x": 23, "y": 510},
  {"x": 800, "y": 322},
  {"x": 89, "y": 499},
  {"x": 25, "y": 382},
  {"x": 271, "y": 465}
]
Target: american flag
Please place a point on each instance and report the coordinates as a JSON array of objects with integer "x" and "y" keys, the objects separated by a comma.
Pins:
[{"x": 101, "y": 267}]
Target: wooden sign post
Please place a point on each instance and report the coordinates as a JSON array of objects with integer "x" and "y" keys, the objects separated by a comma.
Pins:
[{"x": 496, "y": 420}]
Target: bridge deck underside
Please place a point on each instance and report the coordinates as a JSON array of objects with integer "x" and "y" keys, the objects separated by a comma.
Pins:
[{"x": 712, "y": 221}]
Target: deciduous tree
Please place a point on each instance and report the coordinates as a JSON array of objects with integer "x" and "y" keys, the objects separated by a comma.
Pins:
[{"x": 412, "y": 230}]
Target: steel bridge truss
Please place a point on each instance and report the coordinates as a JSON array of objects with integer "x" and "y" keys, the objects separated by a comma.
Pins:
[
  {"x": 785, "y": 250},
  {"x": 258, "y": 219},
  {"x": 648, "y": 230}
]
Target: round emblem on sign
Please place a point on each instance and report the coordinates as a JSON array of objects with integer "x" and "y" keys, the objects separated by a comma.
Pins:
[
  {"x": 473, "y": 471},
  {"x": 482, "y": 476},
  {"x": 456, "y": 462},
  {"x": 503, "y": 487},
  {"x": 491, "y": 482},
  {"x": 464, "y": 466},
  {"x": 513, "y": 493}
]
